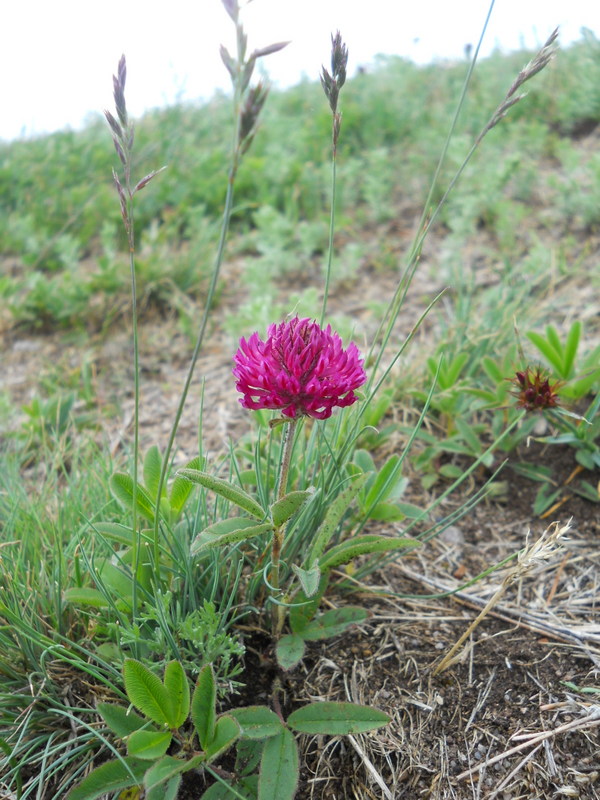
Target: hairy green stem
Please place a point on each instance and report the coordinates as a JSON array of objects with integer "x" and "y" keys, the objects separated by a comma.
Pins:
[{"x": 287, "y": 447}]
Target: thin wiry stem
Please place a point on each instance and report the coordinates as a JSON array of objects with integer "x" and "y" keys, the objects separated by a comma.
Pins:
[
  {"x": 427, "y": 217},
  {"x": 248, "y": 104},
  {"x": 330, "y": 245},
  {"x": 123, "y": 137},
  {"x": 200, "y": 338},
  {"x": 530, "y": 557},
  {"x": 332, "y": 84},
  {"x": 135, "y": 553},
  {"x": 538, "y": 63}
]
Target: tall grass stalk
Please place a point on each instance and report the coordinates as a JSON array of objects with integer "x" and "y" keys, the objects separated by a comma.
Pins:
[
  {"x": 332, "y": 83},
  {"x": 247, "y": 103},
  {"x": 429, "y": 216},
  {"x": 235, "y": 159},
  {"x": 123, "y": 138},
  {"x": 40, "y": 630},
  {"x": 329, "y": 263}
]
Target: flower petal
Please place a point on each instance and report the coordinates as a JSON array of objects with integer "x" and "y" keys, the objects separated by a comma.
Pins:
[{"x": 300, "y": 369}]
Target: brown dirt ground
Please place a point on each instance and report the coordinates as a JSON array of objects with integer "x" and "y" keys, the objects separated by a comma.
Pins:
[{"x": 500, "y": 722}]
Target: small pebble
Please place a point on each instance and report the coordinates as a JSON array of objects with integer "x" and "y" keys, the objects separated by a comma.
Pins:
[{"x": 452, "y": 535}]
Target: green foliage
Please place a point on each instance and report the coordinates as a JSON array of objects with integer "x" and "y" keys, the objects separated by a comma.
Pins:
[
  {"x": 279, "y": 768},
  {"x": 148, "y": 694},
  {"x": 575, "y": 378},
  {"x": 111, "y": 776},
  {"x": 283, "y": 510},
  {"x": 187, "y": 616},
  {"x": 379, "y": 497},
  {"x": 331, "y": 623},
  {"x": 166, "y": 704},
  {"x": 312, "y": 528},
  {"x": 225, "y": 489},
  {"x": 229, "y": 531},
  {"x": 38, "y": 635},
  {"x": 257, "y": 722},
  {"x": 290, "y": 650},
  {"x": 171, "y": 503},
  {"x": 333, "y": 516},
  {"x": 339, "y": 719},
  {"x": 583, "y": 435},
  {"x": 204, "y": 706},
  {"x": 395, "y": 119},
  {"x": 580, "y": 376},
  {"x": 163, "y": 570},
  {"x": 202, "y": 637},
  {"x": 307, "y": 624},
  {"x": 57, "y": 416},
  {"x": 48, "y": 416},
  {"x": 362, "y": 545}
]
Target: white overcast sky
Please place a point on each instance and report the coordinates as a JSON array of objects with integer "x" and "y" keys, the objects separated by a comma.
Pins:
[{"x": 57, "y": 56}]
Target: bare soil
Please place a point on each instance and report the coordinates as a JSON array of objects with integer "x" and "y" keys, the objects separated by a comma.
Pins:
[{"x": 517, "y": 715}]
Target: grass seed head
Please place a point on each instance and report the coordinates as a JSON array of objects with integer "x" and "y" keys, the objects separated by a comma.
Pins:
[
  {"x": 232, "y": 8},
  {"x": 253, "y": 104},
  {"x": 332, "y": 83},
  {"x": 537, "y": 64},
  {"x": 339, "y": 59},
  {"x": 119, "y": 91},
  {"x": 538, "y": 553}
]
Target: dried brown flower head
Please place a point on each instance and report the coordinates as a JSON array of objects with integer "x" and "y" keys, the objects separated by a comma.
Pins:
[{"x": 534, "y": 391}]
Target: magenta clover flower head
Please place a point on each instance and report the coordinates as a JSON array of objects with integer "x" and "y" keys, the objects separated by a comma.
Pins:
[{"x": 300, "y": 369}]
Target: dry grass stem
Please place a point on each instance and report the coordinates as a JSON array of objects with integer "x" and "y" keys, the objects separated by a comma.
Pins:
[
  {"x": 529, "y": 558},
  {"x": 368, "y": 765},
  {"x": 592, "y": 720},
  {"x": 513, "y": 773}
]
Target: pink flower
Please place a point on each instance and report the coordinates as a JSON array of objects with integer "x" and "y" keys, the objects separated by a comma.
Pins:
[{"x": 300, "y": 369}]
